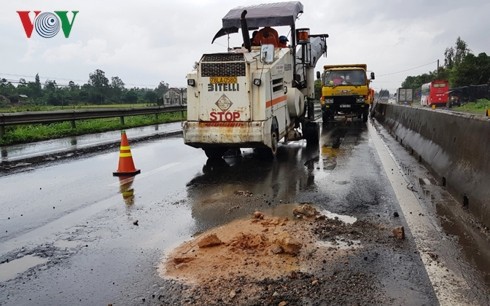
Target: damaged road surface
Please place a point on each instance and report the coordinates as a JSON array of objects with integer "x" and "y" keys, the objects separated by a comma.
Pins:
[
  {"x": 332, "y": 225},
  {"x": 296, "y": 259}
]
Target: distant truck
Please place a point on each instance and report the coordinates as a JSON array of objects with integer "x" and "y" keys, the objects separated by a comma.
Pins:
[
  {"x": 345, "y": 91},
  {"x": 404, "y": 96}
]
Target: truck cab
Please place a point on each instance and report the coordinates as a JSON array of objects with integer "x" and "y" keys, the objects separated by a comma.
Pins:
[{"x": 345, "y": 91}]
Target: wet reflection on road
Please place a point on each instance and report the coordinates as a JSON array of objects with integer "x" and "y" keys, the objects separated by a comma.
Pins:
[
  {"x": 231, "y": 187},
  {"x": 234, "y": 186},
  {"x": 126, "y": 190},
  {"x": 73, "y": 143}
]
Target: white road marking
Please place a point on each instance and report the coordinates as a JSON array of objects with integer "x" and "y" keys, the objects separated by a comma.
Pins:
[{"x": 448, "y": 285}]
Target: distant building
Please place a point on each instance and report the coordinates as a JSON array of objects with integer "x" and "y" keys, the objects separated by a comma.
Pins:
[{"x": 175, "y": 96}]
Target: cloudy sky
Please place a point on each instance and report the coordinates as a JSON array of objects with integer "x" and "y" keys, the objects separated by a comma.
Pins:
[{"x": 144, "y": 42}]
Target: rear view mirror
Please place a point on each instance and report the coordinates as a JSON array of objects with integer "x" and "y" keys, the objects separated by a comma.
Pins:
[{"x": 267, "y": 54}]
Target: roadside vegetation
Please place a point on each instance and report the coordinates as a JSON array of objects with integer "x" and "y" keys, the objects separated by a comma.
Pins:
[
  {"x": 37, "y": 132},
  {"x": 468, "y": 75},
  {"x": 461, "y": 68},
  {"x": 479, "y": 107},
  {"x": 98, "y": 92},
  {"x": 50, "y": 108}
]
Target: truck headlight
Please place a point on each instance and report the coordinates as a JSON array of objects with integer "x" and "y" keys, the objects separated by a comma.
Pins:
[
  {"x": 328, "y": 101},
  {"x": 360, "y": 100},
  {"x": 191, "y": 82}
]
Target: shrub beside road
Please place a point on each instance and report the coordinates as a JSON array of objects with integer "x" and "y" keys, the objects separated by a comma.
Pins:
[
  {"x": 43, "y": 131},
  {"x": 478, "y": 107}
]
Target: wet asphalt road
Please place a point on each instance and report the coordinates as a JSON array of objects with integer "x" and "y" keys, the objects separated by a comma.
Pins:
[{"x": 71, "y": 233}]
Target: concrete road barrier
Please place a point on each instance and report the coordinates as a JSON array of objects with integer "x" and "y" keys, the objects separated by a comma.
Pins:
[{"x": 456, "y": 147}]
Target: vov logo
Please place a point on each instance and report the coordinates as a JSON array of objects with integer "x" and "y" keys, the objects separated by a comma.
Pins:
[{"x": 47, "y": 24}]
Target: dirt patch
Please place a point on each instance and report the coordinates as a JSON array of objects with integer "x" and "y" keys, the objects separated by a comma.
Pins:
[
  {"x": 255, "y": 248},
  {"x": 272, "y": 259}
]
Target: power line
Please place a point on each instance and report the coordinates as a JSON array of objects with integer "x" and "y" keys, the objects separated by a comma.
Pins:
[
  {"x": 50, "y": 78},
  {"x": 413, "y": 68},
  {"x": 44, "y": 77}
]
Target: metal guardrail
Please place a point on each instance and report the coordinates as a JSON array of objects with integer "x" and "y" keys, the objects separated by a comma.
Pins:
[{"x": 81, "y": 114}]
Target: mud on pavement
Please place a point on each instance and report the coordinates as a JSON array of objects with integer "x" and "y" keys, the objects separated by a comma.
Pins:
[{"x": 303, "y": 258}]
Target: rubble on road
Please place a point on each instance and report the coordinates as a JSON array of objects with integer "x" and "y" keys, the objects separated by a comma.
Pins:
[
  {"x": 399, "y": 232},
  {"x": 209, "y": 241},
  {"x": 234, "y": 261}
]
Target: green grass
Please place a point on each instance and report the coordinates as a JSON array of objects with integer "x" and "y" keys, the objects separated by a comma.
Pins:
[
  {"x": 37, "y": 132},
  {"x": 37, "y": 108},
  {"x": 478, "y": 107}
]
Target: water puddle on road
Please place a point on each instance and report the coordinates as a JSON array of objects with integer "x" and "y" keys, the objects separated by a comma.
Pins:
[
  {"x": 11, "y": 269},
  {"x": 344, "y": 218},
  {"x": 286, "y": 210},
  {"x": 340, "y": 244},
  {"x": 66, "y": 244}
]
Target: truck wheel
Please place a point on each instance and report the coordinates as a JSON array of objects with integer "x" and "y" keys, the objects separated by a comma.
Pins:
[
  {"x": 365, "y": 115},
  {"x": 214, "y": 153},
  {"x": 326, "y": 117}
]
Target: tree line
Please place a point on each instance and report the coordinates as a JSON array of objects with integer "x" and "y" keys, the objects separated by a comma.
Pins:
[
  {"x": 461, "y": 68},
  {"x": 98, "y": 90}
]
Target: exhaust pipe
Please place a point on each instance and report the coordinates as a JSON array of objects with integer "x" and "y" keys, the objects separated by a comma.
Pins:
[{"x": 246, "y": 37}]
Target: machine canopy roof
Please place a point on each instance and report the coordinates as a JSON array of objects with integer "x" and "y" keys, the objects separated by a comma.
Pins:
[{"x": 261, "y": 15}]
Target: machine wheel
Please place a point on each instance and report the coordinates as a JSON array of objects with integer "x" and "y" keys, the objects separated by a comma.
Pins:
[
  {"x": 214, "y": 164},
  {"x": 214, "y": 153},
  {"x": 311, "y": 133},
  {"x": 274, "y": 141},
  {"x": 268, "y": 153}
]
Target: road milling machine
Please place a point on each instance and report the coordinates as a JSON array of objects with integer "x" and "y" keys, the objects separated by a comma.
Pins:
[{"x": 260, "y": 93}]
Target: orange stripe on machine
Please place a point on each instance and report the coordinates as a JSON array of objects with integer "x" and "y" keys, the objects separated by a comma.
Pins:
[{"x": 275, "y": 101}]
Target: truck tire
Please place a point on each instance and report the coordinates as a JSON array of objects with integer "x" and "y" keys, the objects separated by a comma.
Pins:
[
  {"x": 326, "y": 116},
  {"x": 365, "y": 115}
]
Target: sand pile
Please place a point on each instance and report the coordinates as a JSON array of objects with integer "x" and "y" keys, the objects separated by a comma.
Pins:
[{"x": 258, "y": 247}]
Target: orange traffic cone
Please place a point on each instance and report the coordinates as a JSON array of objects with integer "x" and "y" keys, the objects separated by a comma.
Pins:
[{"x": 126, "y": 165}]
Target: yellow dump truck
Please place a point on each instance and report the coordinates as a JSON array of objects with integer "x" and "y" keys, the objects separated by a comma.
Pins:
[{"x": 345, "y": 91}]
